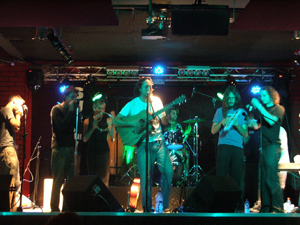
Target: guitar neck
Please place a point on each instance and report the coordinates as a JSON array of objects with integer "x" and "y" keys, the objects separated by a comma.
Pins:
[{"x": 162, "y": 110}]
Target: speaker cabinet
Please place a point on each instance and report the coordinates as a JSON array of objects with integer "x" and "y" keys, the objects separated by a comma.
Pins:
[
  {"x": 89, "y": 194},
  {"x": 5, "y": 183},
  {"x": 200, "y": 22},
  {"x": 214, "y": 194}
]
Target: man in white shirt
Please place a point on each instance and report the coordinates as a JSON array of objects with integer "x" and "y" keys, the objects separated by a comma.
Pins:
[{"x": 157, "y": 150}]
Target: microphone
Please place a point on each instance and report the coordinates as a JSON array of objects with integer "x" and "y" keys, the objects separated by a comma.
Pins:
[
  {"x": 193, "y": 92},
  {"x": 249, "y": 107},
  {"x": 25, "y": 108}
]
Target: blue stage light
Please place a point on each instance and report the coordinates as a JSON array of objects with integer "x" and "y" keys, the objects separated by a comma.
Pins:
[
  {"x": 255, "y": 89},
  {"x": 158, "y": 70},
  {"x": 63, "y": 88}
]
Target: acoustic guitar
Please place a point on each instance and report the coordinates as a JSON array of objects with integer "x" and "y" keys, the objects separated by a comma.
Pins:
[{"x": 131, "y": 136}]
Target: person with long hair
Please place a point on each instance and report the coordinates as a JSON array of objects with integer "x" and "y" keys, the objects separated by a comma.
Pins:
[
  {"x": 271, "y": 119},
  {"x": 157, "y": 149},
  {"x": 230, "y": 154},
  {"x": 95, "y": 130}
]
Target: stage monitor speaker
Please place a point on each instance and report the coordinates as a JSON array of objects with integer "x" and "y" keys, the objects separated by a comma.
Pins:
[
  {"x": 214, "y": 194},
  {"x": 200, "y": 22},
  {"x": 5, "y": 183},
  {"x": 89, "y": 194}
]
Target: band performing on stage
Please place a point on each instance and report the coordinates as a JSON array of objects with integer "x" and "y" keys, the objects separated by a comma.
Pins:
[{"x": 166, "y": 145}]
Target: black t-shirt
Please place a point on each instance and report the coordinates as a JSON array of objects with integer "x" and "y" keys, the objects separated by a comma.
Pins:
[
  {"x": 98, "y": 140},
  {"x": 270, "y": 134},
  {"x": 63, "y": 123},
  {"x": 7, "y": 134}
]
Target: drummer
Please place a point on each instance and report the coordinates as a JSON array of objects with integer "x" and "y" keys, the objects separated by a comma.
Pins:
[{"x": 174, "y": 126}]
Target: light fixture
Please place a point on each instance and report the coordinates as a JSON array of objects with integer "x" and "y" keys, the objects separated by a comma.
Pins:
[
  {"x": 158, "y": 70},
  {"x": 97, "y": 96},
  {"x": 122, "y": 70},
  {"x": 296, "y": 34},
  {"x": 60, "y": 46}
]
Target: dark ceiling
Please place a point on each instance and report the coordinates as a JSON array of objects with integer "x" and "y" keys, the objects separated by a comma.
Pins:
[{"x": 124, "y": 43}]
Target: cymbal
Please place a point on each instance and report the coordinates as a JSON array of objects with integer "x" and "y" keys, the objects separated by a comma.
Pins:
[{"x": 195, "y": 120}]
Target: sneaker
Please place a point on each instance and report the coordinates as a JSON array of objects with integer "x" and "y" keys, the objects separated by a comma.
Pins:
[
  {"x": 168, "y": 210},
  {"x": 256, "y": 208}
]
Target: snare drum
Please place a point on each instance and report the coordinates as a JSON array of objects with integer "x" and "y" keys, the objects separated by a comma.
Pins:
[{"x": 174, "y": 139}]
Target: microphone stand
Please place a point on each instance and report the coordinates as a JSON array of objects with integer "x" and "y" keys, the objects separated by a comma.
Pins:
[
  {"x": 147, "y": 156},
  {"x": 20, "y": 209},
  {"x": 213, "y": 98},
  {"x": 76, "y": 142}
]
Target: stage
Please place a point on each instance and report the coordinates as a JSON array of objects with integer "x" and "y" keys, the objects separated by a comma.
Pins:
[
  {"x": 114, "y": 218},
  {"x": 178, "y": 196}
]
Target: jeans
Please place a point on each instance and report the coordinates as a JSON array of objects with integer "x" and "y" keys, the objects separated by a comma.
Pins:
[
  {"x": 271, "y": 195},
  {"x": 9, "y": 164},
  {"x": 62, "y": 165},
  {"x": 157, "y": 152}
]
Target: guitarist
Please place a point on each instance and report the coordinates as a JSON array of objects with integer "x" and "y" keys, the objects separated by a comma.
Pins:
[
  {"x": 157, "y": 148},
  {"x": 230, "y": 155}
]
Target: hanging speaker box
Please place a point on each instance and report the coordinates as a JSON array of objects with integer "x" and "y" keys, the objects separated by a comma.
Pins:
[{"x": 200, "y": 22}]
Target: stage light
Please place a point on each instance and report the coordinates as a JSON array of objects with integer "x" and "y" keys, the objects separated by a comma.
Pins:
[
  {"x": 220, "y": 95},
  {"x": 158, "y": 70},
  {"x": 63, "y": 88},
  {"x": 255, "y": 89},
  {"x": 60, "y": 46},
  {"x": 97, "y": 96}
]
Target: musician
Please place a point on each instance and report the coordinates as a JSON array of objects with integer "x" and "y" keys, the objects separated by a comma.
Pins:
[
  {"x": 271, "y": 119},
  {"x": 157, "y": 148},
  {"x": 63, "y": 122},
  {"x": 10, "y": 123},
  {"x": 230, "y": 155},
  {"x": 95, "y": 131},
  {"x": 174, "y": 126}
]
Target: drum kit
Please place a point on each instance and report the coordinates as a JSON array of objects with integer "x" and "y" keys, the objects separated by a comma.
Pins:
[{"x": 179, "y": 149}]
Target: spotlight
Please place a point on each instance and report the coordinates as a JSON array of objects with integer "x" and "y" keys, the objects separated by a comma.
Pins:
[
  {"x": 97, "y": 96},
  {"x": 255, "y": 86},
  {"x": 60, "y": 46},
  {"x": 255, "y": 89},
  {"x": 63, "y": 88},
  {"x": 158, "y": 70}
]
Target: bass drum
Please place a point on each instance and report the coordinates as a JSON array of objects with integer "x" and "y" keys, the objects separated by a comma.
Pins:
[
  {"x": 177, "y": 170},
  {"x": 174, "y": 139}
]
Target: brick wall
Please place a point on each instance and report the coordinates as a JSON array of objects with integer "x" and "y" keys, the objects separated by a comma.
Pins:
[{"x": 13, "y": 81}]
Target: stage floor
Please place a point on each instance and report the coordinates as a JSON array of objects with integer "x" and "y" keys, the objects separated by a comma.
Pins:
[
  {"x": 114, "y": 218},
  {"x": 37, "y": 217}
]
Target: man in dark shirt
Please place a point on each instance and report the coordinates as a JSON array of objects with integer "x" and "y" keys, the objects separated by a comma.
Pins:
[
  {"x": 272, "y": 115},
  {"x": 63, "y": 121}
]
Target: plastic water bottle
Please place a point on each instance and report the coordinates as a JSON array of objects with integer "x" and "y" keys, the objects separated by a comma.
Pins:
[
  {"x": 247, "y": 206},
  {"x": 159, "y": 202},
  {"x": 287, "y": 205}
]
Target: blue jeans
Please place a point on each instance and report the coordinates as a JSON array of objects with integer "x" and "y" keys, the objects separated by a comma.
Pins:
[
  {"x": 62, "y": 165},
  {"x": 157, "y": 152}
]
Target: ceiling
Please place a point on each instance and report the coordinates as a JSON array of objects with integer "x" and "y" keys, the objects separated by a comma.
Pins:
[{"x": 123, "y": 44}]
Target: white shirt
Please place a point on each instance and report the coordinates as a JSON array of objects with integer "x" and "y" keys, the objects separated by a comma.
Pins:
[{"x": 135, "y": 106}]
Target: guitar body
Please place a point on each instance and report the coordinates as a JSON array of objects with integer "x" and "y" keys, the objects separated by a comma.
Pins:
[{"x": 130, "y": 136}]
